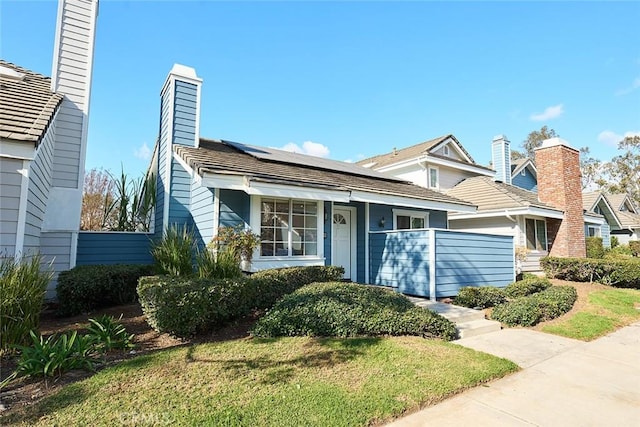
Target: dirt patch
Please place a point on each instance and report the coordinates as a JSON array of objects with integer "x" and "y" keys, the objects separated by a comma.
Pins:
[{"x": 21, "y": 393}]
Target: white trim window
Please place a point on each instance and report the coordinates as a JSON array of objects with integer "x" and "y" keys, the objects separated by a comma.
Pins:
[
  {"x": 434, "y": 177},
  {"x": 593, "y": 231},
  {"x": 536, "y": 234},
  {"x": 410, "y": 220},
  {"x": 288, "y": 227}
]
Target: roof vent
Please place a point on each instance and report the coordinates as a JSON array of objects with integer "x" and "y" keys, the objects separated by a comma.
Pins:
[
  {"x": 9, "y": 73},
  {"x": 395, "y": 152}
]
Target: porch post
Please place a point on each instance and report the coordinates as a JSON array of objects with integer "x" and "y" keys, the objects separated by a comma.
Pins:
[{"x": 366, "y": 242}]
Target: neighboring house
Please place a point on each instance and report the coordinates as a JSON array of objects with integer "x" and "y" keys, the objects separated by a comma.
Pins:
[
  {"x": 599, "y": 203},
  {"x": 43, "y": 134},
  {"x": 627, "y": 214},
  {"x": 510, "y": 197},
  {"x": 315, "y": 211}
]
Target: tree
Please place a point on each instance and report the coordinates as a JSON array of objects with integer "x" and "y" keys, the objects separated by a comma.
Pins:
[
  {"x": 534, "y": 140},
  {"x": 97, "y": 196},
  {"x": 517, "y": 155},
  {"x": 623, "y": 171},
  {"x": 591, "y": 169}
]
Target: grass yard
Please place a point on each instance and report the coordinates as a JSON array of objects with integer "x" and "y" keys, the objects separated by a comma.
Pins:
[
  {"x": 270, "y": 382},
  {"x": 600, "y": 310}
]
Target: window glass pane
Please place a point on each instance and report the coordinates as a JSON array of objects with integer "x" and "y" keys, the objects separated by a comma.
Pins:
[
  {"x": 281, "y": 249},
  {"x": 417, "y": 222},
  {"x": 433, "y": 177},
  {"x": 311, "y": 208},
  {"x": 288, "y": 227},
  {"x": 530, "y": 230},
  {"x": 311, "y": 221},
  {"x": 298, "y": 207},
  {"x": 298, "y": 220},
  {"x": 541, "y": 235},
  {"x": 403, "y": 222},
  {"x": 282, "y": 206},
  {"x": 311, "y": 248}
]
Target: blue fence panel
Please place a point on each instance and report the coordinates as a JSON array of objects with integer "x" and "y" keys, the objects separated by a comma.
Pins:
[{"x": 96, "y": 247}]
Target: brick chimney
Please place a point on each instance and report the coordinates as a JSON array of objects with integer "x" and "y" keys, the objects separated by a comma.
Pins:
[
  {"x": 559, "y": 185},
  {"x": 501, "y": 158}
]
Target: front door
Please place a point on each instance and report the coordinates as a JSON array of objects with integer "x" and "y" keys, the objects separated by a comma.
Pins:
[{"x": 343, "y": 253}]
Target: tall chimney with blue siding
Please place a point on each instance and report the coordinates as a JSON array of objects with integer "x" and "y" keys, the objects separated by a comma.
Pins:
[
  {"x": 501, "y": 158},
  {"x": 179, "y": 124}
]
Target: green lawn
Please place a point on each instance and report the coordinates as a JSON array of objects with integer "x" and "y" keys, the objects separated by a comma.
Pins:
[
  {"x": 274, "y": 382},
  {"x": 606, "y": 310}
]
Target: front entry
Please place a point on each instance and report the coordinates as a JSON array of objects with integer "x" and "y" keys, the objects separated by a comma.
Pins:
[{"x": 343, "y": 242}]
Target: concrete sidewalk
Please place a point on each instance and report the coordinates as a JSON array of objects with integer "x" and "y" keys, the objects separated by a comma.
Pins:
[{"x": 564, "y": 382}]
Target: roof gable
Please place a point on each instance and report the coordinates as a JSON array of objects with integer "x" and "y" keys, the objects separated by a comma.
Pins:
[
  {"x": 519, "y": 165},
  {"x": 27, "y": 104}
]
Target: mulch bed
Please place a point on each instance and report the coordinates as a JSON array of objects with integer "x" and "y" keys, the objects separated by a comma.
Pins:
[{"x": 21, "y": 393}]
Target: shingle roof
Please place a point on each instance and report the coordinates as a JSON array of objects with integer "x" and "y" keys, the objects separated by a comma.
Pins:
[
  {"x": 589, "y": 200},
  {"x": 225, "y": 157},
  {"x": 628, "y": 219},
  {"x": 491, "y": 195},
  {"x": 616, "y": 200},
  {"x": 415, "y": 151},
  {"x": 515, "y": 164},
  {"x": 27, "y": 104}
]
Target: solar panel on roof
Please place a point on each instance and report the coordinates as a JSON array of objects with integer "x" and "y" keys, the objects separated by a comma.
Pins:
[{"x": 272, "y": 154}]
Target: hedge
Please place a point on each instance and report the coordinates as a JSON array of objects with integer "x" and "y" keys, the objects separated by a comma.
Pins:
[
  {"x": 527, "y": 286},
  {"x": 480, "y": 297},
  {"x": 530, "y": 310},
  {"x": 349, "y": 310},
  {"x": 617, "y": 273},
  {"x": 186, "y": 306},
  {"x": 87, "y": 287},
  {"x": 594, "y": 247},
  {"x": 634, "y": 246}
]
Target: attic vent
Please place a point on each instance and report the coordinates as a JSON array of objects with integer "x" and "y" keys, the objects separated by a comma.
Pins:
[
  {"x": 9, "y": 73},
  {"x": 446, "y": 150}
]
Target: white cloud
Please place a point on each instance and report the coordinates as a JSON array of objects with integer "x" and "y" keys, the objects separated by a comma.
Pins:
[
  {"x": 634, "y": 85},
  {"x": 143, "y": 152},
  {"x": 611, "y": 138},
  {"x": 308, "y": 147},
  {"x": 549, "y": 113}
]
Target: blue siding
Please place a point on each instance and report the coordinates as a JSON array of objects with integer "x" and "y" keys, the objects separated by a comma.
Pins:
[
  {"x": 328, "y": 229},
  {"x": 185, "y": 108},
  {"x": 234, "y": 208},
  {"x": 180, "y": 191},
  {"x": 113, "y": 248},
  {"x": 467, "y": 259},
  {"x": 501, "y": 162},
  {"x": 202, "y": 206},
  {"x": 437, "y": 219},
  {"x": 401, "y": 259},
  {"x": 528, "y": 181},
  {"x": 605, "y": 232}
]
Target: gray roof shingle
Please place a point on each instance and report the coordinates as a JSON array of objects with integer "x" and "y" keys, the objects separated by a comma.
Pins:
[
  {"x": 27, "y": 104},
  {"x": 490, "y": 195},
  {"x": 226, "y": 157}
]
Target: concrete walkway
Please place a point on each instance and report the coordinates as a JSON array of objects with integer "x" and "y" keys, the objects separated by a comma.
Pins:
[{"x": 564, "y": 382}]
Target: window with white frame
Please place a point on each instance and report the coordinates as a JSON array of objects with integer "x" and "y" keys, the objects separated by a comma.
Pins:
[
  {"x": 536, "y": 232},
  {"x": 408, "y": 220},
  {"x": 288, "y": 227},
  {"x": 593, "y": 231},
  {"x": 433, "y": 177},
  {"x": 446, "y": 150},
  {"x": 523, "y": 172}
]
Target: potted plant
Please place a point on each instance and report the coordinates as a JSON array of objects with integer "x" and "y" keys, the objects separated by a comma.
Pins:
[{"x": 240, "y": 241}]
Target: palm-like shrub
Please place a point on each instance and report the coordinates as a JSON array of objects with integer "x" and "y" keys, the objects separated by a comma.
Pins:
[{"x": 173, "y": 254}]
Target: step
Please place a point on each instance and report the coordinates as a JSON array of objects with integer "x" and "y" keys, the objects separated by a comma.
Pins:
[
  {"x": 477, "y": 327},
  {"x": 452, "y": 312}
]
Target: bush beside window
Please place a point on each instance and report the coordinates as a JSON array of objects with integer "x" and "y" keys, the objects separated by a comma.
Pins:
[
  {"x": 480, "y": 297},
  {"x": 87, "y": 287},
  {"x": 594, "y": 247},
  {"x": 186, "y": 306}
]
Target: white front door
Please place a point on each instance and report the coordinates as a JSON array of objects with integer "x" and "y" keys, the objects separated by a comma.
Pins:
[{"x": 343, "y": 244}]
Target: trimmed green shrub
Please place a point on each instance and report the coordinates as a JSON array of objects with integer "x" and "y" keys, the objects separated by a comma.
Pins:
[
  {"x": 480, "y": 297},
  {"x": 617, "y": 273},
  {"x": 634, "y": 246},
  {"x": 594, "y": 247},
  {"x": 87, "y": 287},
  {"x": 185, "y": 306},
  {"x": 173, "y": 254},
  {"x": 533, "y": 309},
  {"x": 22, "y": 288},
  {"x": 223, "y": 265},
  {"x": 527, "y": 286},
  {"x": 348, "y": 310},
  {"x": 614, "y": 242},
  {"x": 620, "y": 252}
]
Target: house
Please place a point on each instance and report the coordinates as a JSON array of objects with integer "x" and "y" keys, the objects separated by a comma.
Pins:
[
  {"x": 312, "y": 211},
  {"x": 628, "y": 220},
  {"x": 537, "y": 206},
  {"x": 43, "y": 136}
]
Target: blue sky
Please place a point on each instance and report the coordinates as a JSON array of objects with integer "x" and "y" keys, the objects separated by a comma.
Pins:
[{"x": 353, "y": 79}]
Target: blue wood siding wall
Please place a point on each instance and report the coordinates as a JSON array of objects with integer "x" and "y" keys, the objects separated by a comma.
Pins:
[
  {"x": 55, "y": 248},
  {"x": 528, "y": 181},
  {"x": 163, "y": 149},
  {"x": 202, "y": 205},
  {"x": 11, "y": 181},
  {"x": 468, "y": 259},
  {"x": 40, "y": 178},
  {"x": 234, "y": 208},
  {"x": 401, "y": 259},
  {"x": 180, "y": 192},
  {"x": 500, "y": 160},
  {"x": 328, "y": 229},
  {"x": 605, "y": 232},
  {"x": 184, "y": 119},
  {"x": 113, "y": 248}
]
